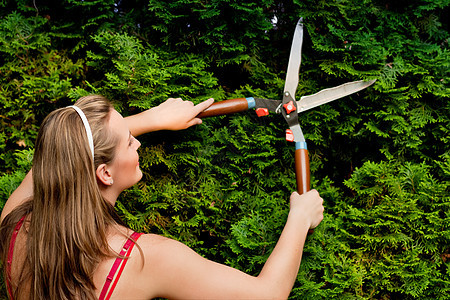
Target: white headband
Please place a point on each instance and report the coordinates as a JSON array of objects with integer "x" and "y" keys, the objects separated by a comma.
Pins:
[{"x": 87, "y": 127}]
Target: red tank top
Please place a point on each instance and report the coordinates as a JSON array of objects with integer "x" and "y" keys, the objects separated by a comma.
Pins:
[{"x": 111, "y": 279}]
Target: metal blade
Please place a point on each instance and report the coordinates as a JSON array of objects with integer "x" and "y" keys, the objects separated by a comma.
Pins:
[
  {"x": 328, "y": 95},
  {"x": 294, "y": 60}
]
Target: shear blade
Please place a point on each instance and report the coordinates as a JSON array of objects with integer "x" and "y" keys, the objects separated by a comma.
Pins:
[
  {"x": 295, "y": 60},
  {"x": 328, "y": 95}
]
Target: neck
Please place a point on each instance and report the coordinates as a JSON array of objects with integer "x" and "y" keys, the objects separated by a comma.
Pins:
[{"x": 110, "y": 193}]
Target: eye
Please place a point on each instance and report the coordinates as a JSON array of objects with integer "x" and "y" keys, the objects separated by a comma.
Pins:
[{"x": 131, "y": 141}]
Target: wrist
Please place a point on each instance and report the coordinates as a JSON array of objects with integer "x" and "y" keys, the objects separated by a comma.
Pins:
[
  {"x": 300, "y": 217},
  {"x": 151, "y": 119},
  {"x": 143, "y": 122}
]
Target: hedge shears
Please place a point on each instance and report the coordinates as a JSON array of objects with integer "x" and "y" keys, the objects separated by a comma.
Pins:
[{"x": 289, "y": 108}]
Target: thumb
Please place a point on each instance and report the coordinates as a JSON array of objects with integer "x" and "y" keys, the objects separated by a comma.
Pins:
[{"x": 194, "y": 121}]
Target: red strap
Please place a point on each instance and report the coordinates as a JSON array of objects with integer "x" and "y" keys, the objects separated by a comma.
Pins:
[
  {"x": 119, "y": 262},
  {"x": 10, "y": 255}
]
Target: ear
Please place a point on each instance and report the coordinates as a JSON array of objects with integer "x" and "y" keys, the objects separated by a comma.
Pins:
[{"x": 104, "y": 175}]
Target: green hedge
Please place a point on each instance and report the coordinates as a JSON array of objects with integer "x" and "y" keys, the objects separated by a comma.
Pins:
[{"x": 380, "y": 158}]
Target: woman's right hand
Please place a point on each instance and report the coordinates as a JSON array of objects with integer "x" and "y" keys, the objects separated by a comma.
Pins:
[{"x": 309, "y": 206}]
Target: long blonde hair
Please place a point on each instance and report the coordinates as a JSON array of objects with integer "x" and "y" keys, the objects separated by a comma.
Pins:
[{"x": 67, "y": 234}]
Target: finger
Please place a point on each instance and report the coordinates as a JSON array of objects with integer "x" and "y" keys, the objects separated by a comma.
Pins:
[
  {"x": 314, "y": 191},
  {"x": 203, "y": 105}
]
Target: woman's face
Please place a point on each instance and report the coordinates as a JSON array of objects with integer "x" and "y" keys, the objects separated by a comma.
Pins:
[{"x": 124, "y": 169}]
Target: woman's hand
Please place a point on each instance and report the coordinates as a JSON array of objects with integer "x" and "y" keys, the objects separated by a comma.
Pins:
[
  {"x": 173, "y": 114},
  {"x": 309, "y": 206},
  {"x": 177, "y": 114}
]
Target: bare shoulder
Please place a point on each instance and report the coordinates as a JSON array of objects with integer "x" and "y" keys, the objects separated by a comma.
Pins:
[
  {"x": 154, "y": 241},
  {"x": 162, "y": 254},
  {"x": 164, "y": 262},
  {"x": 137, "y": 275},
  {"x": 147, "y": 268}
]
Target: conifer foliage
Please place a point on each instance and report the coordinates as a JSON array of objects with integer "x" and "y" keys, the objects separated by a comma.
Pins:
[{"x": 380, "y": 158}]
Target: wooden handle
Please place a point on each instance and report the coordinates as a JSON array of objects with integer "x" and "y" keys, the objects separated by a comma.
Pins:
[
  {"x": 302, "y": 173},
  {"x": 225, "y": 107}
]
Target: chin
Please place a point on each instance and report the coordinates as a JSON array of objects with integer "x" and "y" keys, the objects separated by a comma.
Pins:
[{"x": 139, "y": 176}]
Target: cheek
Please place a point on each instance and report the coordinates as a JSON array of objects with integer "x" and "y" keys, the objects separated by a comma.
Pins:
[
  {"x": 132, "y": 162},
  {"x": 128, "y": 172},
  {"x": 128, "y": 163}
]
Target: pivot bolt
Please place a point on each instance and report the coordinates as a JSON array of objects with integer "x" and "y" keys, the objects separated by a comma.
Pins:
[{"x": 289, "y": 107}]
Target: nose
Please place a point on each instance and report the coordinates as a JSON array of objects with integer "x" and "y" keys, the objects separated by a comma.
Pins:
[{"x": 138, "y": 143}]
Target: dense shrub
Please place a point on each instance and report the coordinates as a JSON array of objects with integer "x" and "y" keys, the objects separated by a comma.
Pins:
[{"x": 380, "y": 158}]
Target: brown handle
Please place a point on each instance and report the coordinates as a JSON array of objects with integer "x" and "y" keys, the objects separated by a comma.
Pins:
[
  {"x": 302, "y": 170},
  {"x": 302, "y": 173},
  {"x": 225, "y": 107}
]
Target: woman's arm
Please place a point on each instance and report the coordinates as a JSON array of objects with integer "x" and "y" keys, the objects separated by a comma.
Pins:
[
  {"x": 173, "y": 114},
  {"x": 173, "y": 270},
  {"x": 22, "y": 193}
]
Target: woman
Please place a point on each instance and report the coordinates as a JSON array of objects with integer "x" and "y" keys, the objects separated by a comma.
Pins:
[{"x": 61, "y": 239}]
